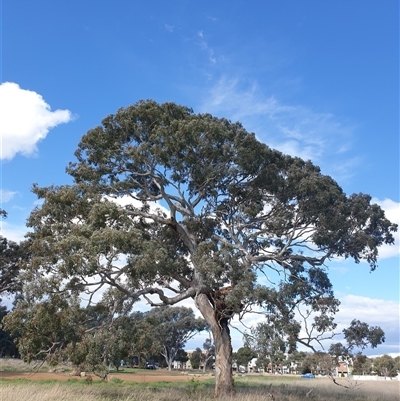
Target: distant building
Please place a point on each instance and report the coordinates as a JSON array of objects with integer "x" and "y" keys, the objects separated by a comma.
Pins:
[{"x": 342, "y": 370}]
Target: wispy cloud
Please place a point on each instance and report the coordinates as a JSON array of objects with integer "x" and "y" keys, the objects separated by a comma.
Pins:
[
  {"x": 6, "y": 195},
  {"x": 293, "y": 129},
  {"x": 205, "y": 47},
  {"x": 371, "y": 310},
  {"x": 169, "y": 28},
  {"x": 25, "y": 119}
]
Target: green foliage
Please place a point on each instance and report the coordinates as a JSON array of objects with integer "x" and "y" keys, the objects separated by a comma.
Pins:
[
  {"x": 208, "y": 354},
  {"x": 243, "y": 356},
  {"x": 361, "y": 335},
  {"x": 213, "y": 176},
  {"x": 45, "y": 328},
  {"x": 362, "y": 365},
  {"x": 181, "y": 356},
  {"x": 195, "y": 358},
  {"x": 386, "y": 366},
  {"x": 269, "y": 344},
  {"x": 12, "y": 257},
  {"x": 7, "y": 340},
  {"x": 172, "y": 328},
  {"x": 358, "y": 335},
  {"x": 193, "y": 387},
  {"x": 397, "y": 363},
  {"x": 319, "y": 363},
  {"x": 116, "y": 380}
]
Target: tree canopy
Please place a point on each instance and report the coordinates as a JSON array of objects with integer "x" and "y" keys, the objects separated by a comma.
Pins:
[
  {"x": 12, "y": 255},
  {"x": 169, "y": 205},
  {"x": 243, "y": 356}
]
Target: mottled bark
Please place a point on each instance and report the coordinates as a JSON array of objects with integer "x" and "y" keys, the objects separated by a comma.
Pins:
[
  {"x": 223, "y": 360},
  {"x": 224, "y": 385}
]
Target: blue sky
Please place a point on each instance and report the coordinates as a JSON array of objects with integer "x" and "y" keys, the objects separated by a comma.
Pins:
[{"x": 316, "y": 79}]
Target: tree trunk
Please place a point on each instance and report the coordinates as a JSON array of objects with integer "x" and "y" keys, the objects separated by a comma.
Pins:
[
  {"x": 169, "y": 357},
  {"x": 223, "y": 360},
  {"x": 170, "y": 362},
  {"x": 224, "y": 385}
]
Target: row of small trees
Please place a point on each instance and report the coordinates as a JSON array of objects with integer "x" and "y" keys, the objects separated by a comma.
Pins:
[
  {"x": 61, "y": 331},
  {"x": 301, "y": 362},
  {"x": 384, "y": 365}
]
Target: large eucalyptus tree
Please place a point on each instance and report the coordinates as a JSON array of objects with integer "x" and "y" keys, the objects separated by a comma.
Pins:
[{"x": 170, "y": 205}]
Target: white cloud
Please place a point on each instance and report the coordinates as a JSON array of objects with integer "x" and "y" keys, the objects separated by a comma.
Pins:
[
  {"x": 392, "y": 212},
  {"x": 25, "y": 119},
  {"x": 127, "y": 200},
  {"x": 6, "y": 195},
  {"x": 12, "y": 232},
  {"x": 169, "y": 28},
  {"x": 375, "y": 312}
]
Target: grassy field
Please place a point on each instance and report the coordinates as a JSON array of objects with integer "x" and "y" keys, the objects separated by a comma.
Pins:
[{"x": 121, "y": 387}]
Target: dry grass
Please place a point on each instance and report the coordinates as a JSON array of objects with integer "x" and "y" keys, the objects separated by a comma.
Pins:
[
  {"x": 249, "y": 388},
  {"x": 18, "y": 365},
  {"x": 11, "y": 390}
]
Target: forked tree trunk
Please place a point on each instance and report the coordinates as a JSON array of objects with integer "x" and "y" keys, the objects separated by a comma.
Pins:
[
  {"x": 224, "y": 385},
  {"x": 169, "y": 358}
]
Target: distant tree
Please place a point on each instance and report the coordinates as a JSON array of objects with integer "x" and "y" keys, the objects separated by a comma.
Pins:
[
  {"x": 208, "y": 354},
  {"x": 181, "y": 356},
  {"x": 262, "y": 363},
  {"x": 142, "y": 347},
  {"x": 7, "y": 341},
  {"x": 319, "y": 363},
  {"x": 195, "y": 358},
  {"x": 385, "y": 366},
  {"x": 397, "y": 363},
  {"x": 309, "y": 364},
  {"x": 243, "y": 356},
  {"x": 172, "y": 328},
  {"x": 231, "y": 208},
  {"x": 362, "y": 365},
  {"x": 295, "y": 360},
  {"x": 267, "y": 343},
  {"x": 58, "y": 329}
]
